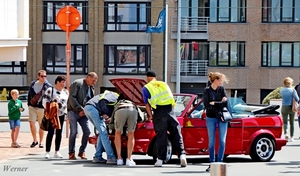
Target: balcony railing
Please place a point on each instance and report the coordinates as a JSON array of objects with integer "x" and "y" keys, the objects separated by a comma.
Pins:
[
  {"x": 190, "y": 67},
  {"x": 190, "y": 24}
]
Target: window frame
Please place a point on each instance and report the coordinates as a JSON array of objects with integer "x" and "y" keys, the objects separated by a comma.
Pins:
[
  {"x": 117, "y": 24},
  {"x": 266, "y": 56},
  {"x": 266, "y": 14},
  {"x": 54, "y": 67},
  {"x": 115, "y": 65},
  {"x": 55, "y": 27},
  {"x": 241, "y": 51},
  {"x": 241, "y": 10},
  {"x": 22, "y": 66}
]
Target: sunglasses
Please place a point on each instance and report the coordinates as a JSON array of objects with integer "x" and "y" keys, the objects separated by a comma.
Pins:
[{"x": 43, "y": 76}]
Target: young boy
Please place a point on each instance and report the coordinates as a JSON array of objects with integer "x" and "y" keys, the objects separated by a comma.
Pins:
[{"x": 14, "y": 113}]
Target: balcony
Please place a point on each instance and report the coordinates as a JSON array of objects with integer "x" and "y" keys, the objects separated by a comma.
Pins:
[
  {"x": 191, "y": 27},
  {"x": 191, "y": 71}
]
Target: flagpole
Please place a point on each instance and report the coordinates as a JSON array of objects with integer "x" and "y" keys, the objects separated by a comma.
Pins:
[
  {"x": 166, "y": 44},
  {"x": 178, "y": 60}
]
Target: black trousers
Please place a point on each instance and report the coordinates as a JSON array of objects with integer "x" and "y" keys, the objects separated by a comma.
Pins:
[
  {"x": 164, "y": 119},
  {"x": 58, "y": 134}
]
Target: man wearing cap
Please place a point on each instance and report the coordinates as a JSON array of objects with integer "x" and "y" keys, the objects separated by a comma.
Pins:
[{"x": 158, "y": 97}]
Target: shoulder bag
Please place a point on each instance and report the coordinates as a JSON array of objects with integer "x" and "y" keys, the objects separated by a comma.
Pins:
[
  {"x": 34, "y": 100},
  {"x": 295, "y": 104}
]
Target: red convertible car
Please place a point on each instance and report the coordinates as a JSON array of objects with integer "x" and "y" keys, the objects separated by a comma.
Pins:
[{"x": 255, "y": 129}]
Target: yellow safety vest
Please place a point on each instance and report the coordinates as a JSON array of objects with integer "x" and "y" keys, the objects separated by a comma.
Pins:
[
  {"x": 160, "y": 94},
  {"x": 107, "y": 92}
]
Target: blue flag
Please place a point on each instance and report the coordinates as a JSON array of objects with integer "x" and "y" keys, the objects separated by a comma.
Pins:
[{"x": 160, "y": 24}]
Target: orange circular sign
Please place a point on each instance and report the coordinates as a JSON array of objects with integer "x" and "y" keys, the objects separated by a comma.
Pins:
[{"x": 68, "y": 17}]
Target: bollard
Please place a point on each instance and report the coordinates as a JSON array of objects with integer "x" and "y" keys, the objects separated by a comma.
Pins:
[{"x": 218, "y": 169}]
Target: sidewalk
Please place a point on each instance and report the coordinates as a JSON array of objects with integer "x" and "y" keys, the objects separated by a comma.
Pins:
[{"x": 25, "y": 140}]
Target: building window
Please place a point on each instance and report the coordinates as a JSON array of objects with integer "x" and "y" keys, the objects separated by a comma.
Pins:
[
  {"x": 227, "y": 54},
  {"x": 127, "y": 59},
  {"x": 281, "y": 54},
  {"x": 51, "y": 9},
  {"x": 227, "y": 11},
  {"x": 54, "y": 58},
  {"x": 281, "y": 11},
  {"x": 13, "y": 67},
  {"x": 127, "y": 16}
]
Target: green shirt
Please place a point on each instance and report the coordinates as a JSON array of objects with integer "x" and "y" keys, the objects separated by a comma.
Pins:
[{"x": 13, "y": 109}]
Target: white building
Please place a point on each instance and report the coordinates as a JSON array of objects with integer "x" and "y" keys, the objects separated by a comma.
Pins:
[{"x": 14, "y": 30}]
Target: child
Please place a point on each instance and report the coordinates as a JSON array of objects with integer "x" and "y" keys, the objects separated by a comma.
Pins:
[{"x": 14, "y": 113}]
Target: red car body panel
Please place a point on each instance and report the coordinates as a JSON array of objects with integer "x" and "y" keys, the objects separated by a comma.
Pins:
[{"x": 240, "y": 135}]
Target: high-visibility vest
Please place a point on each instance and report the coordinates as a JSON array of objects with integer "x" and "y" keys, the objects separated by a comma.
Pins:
[
  {"x": 160, "y": 94},
  {"x": 106, "y": 93}
]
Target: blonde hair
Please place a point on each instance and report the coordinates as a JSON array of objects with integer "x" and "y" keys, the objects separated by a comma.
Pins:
[
  {"x": 288, "y": 82},
  {"x": 14, "y": 91},
  {"x": 212, "y": 76}
]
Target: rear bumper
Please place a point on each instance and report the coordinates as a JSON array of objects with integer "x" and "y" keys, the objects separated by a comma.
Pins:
[{"x": 280, "y": 143}]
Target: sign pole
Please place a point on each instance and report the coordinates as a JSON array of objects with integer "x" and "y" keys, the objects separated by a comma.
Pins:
[
  {"x": 68, "y": 56},
  {"x": 68, "y": 19}
]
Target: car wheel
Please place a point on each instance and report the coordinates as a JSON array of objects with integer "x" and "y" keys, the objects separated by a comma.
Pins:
[
  {"x": 123, "y": 153},
  {"x": 169, "y": 152},
  {"x": 262, "y": 149}
]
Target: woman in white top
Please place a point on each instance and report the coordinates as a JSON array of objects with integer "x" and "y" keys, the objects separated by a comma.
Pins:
[{"x": 58, "y": 94}]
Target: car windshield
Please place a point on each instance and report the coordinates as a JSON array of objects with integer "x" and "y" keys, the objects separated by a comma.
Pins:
[{"x": 181, "y": 102}]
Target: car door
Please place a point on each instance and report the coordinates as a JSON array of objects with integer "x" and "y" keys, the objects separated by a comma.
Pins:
[
  {"x": 234, "y": 139},
  {"x": 194, "y": 133}
]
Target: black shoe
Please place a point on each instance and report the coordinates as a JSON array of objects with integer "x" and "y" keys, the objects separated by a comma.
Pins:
[
  {"x": 33, "y": 144},
  {"x": 41, "y": 146},
  {"x": 208, "y": 169}
]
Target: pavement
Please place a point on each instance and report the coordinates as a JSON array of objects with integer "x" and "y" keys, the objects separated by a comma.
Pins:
[{"x": 25, "y": 139}]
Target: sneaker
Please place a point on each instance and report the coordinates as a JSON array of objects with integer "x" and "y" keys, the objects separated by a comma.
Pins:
[
  {"x": 183, "y": 162},
  {"x": 208, "y": 169},
  {"x": 13, "y": 145},
  {"x": 120, "y": 162},
  {"x": 82, "y": 155},
  {"x": 41, "y": 146},
  {"x": 58, "y": 155},
  {"x": 158, "y": 163},
  {"x": 17, "y": 145},
  {"x": 286, "y": 136},
  {"x": 130, "y": 162},
  {"x": 291, "y": 139},
  {"x": 72, "y": 156},
  {"x": 34, "y": 144},
  {"x": 101, "y": 160},
  {"x": 111, "y": 161},
  {"x": 47, "y": 155}
]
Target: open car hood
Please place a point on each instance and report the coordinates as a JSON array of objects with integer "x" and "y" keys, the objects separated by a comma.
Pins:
[{"x": 131, "y": 88}]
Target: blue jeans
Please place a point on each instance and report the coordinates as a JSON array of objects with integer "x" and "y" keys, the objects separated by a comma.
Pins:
[
  {"x": 103, "y": 142},
  {"x": 211, "y": 124},
  {"x": 83, "y": 122}
]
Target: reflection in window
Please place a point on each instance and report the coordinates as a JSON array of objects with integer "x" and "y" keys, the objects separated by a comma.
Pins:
[
  {"x": 281, "y": 11},
  {"x": 127, "y": 59},
  {"x": 127, "y": 16},
  {"x": 51, "y": 8},
  {"x": 227, "y": 54},
  {"x": 227, "y": 10},
  {"x": 13, "y": 67},
  {"x": 54, "y": 58},
  {"x": 280, "y": 54}
]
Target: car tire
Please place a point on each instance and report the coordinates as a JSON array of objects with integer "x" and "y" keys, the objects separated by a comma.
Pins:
[
  {"x": 262, "y": 149},
  {"x": 123, "y": 153},
  {"x": 169, "y": 152}
]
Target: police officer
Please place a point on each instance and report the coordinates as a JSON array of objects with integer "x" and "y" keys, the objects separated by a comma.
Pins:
[
  {"x": 98, "y": 110},
  {"x": 158, "y": 97}
]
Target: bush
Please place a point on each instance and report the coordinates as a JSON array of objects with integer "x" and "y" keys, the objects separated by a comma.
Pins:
[{"x": 275, "y": 94}]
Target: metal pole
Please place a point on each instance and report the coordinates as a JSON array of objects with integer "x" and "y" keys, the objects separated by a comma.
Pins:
[
  {"x": 218, "y": 169},
  {"x": 178, "y": 60},
  {"x": 68, "y": 56},
  {"x": 166, "y": 44}
]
